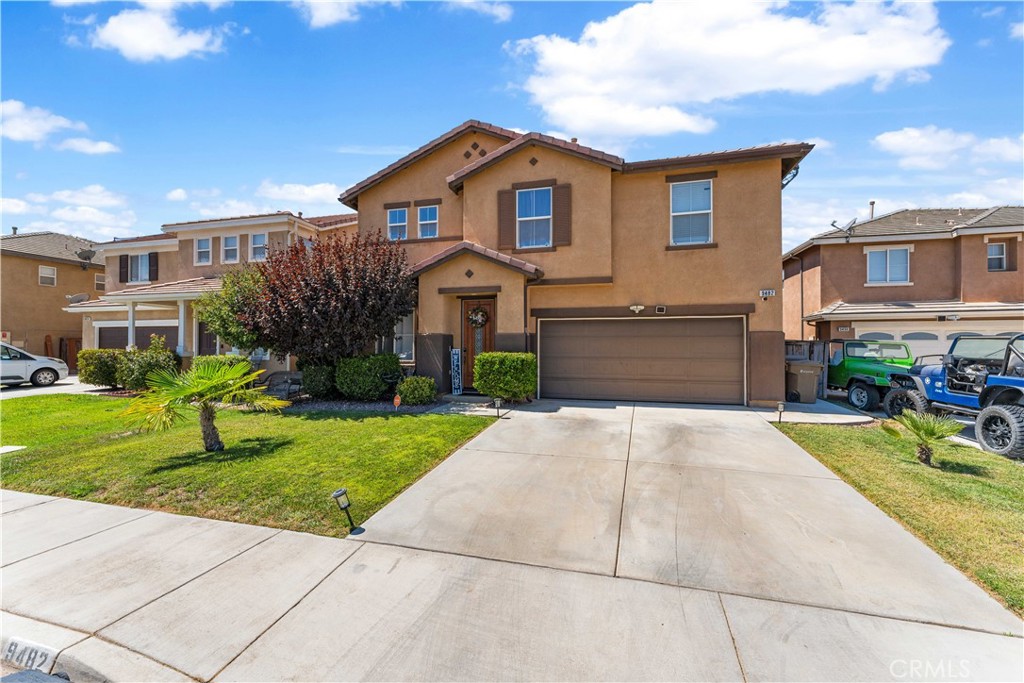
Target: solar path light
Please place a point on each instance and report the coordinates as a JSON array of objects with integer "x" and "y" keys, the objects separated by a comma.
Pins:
[{"x": 341, "y": 498}]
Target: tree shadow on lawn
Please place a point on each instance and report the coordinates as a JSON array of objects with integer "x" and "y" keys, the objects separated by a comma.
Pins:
[
  {"x": 349, "y": 416},
  {"x": 245, "y": 450},
  {"x": 955, "y": 467}
]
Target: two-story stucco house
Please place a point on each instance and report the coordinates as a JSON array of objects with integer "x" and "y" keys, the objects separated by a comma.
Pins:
[
  {"x": 151, "y": 281},
  {"x": 647, "y": 280},
  {"x": 922, "y": 276},
  {"x": 41, "y": 272}
]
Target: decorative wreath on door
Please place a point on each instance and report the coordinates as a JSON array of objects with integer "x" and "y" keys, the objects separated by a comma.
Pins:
[{"x": 477, "y": 317}]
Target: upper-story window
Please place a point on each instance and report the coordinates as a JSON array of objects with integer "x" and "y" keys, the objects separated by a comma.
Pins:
[
  {"x": 889, "y": 266},
  {"x": 229, "y": 249},
  {"x": 100, "y": 282},
  {"x": 258, "y": 246},
  {"x": 997, "y": 256},
  {"x": 428, "y": 221},
  {"x": 691, "y": 212},
  {"x": 204, "y": 253},
  {"x": 398, "y": 224},
  {"x": 138, "y": 268},
  {"x": 533, "y": 218},
  {"x": 47, "y": 276}
]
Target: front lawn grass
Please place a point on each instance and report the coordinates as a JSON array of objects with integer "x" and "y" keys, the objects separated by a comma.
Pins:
[
  {"x": 969, "y": 507},
  {"x": 276, "y": 470}
]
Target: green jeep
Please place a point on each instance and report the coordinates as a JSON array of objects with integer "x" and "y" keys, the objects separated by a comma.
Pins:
[{"x": 863, "y": 367}]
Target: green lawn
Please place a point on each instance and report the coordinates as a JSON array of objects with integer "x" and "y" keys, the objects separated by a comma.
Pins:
[
  {"x": 969, "y": 507},
  {"x": 277, "y": 470}
]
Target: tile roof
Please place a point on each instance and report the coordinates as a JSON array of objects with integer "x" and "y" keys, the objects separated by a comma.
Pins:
[
  {"x": 333, "y": 220},
  {"x": 195, "y": 285},
  {"x": 349, "y": 197},
  {"x": 235, "y": 218},
  {"x": 94, "y": 303},
  {"x": 920, "y": 222},
  {"x": 844, "y": 311},
  {"x": 141, "y": 238},
  {"x": 48, "y": 245},
  {"x": 479, "y": 250},
  {"x": 456, "y": 179},
  {"x": 790, "y": 152}
]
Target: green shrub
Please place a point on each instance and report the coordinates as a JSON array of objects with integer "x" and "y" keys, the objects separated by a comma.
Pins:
[
  {"x": 417, "y": 391},
  {"x": 367, "y": 378},
  {"x": 318, "y": 381},
  {"x": 505, "y": 375},
  {"x": 99, "y": 366},
  {"x": 225, "y": 360},
  {"x": 135, "y": 365}
]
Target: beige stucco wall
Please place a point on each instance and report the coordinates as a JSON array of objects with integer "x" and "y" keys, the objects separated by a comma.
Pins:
[
  {"x": 425, "y": 180},
  {"x": 845, "y": 272},
  {"x": 442, "y": 313},
  {"x": 590, "y": 254},
  {"x": 978, "y": 283},
  {"x": 30, "y": 311},
  {"x": 795, "y": 308},
  {"x": 746, "y": 205}
]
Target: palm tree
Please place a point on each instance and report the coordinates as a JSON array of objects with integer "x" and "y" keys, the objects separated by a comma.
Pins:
[
  {"x": 202, "y": 388},
  {"x": 927, "y": 429}
]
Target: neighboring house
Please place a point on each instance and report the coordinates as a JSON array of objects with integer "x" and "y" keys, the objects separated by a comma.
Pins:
[
  {"x": 153, "y": 280},
  {"x": 631, "y": 280},
  {"x": 41, "y": 271},
  {"x": 922, "y": 276}
]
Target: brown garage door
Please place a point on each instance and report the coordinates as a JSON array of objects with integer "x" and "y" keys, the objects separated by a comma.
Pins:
[
  {"x": 117, "y": 337},
  {"x": 696, "y": 360}
]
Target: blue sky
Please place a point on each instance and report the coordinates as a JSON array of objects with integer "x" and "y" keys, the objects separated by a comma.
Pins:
[{"x": 119, "y": 117}]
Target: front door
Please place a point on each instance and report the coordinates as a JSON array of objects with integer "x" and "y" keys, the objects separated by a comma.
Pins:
[{"x": 477, "y": 334}]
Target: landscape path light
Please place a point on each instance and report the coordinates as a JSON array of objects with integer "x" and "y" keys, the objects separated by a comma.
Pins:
[
  {"x": 781, "y": 408},
  {"x": 341, "y": 498}
]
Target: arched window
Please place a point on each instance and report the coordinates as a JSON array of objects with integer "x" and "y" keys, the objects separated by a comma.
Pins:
[
  {"x": 920, "y": 336},
  {"x": 877, "y": 336},
  {"x": 954, "y": 335}
]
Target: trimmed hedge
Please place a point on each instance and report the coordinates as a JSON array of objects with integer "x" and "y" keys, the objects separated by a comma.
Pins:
[
  {"x": 318, "y": 381},
  {"x": 505, "y": 375},
  {"x": 417, "y": 390},
  {"x": 367, "y": 378},
  {"x": 99, "y": 366},
  {"x": 135, "y": 364}
]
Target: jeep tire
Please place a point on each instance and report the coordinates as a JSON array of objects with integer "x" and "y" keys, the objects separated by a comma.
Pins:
[
  {"x": 898, "y": 400},
  {"x": 1000, "y": 430},
  {"x": 862, "y": 396}
]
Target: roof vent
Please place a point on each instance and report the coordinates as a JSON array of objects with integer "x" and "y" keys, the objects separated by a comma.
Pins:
[
  {"x": 950, "y": 221},
  {"x": 14, "y": 229},
  {"x": 960, "y": 211},
  {"x": 918, "y": 221},
  {"x": 574, "y": 140},
  {"x": 76, "y": 298}
]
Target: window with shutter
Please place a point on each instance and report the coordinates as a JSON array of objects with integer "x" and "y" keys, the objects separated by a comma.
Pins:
[
  {"x": 154, "y": 266},
  {"x": 562, "y": 218},
  {"x": 123, "y": 268},
  {"x": 506, "y": 219}
]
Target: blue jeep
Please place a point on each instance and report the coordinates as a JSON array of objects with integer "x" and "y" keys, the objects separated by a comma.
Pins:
[{"x": 981, "y": 376}]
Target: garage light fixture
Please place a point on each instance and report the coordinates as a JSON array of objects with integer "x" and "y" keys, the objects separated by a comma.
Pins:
[{"x": 636, "y": 308}]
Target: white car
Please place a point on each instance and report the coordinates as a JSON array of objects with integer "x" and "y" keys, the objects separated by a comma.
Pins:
[{"x": 18, "y": 367}]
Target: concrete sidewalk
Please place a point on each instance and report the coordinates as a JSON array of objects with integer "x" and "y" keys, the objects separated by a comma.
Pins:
[{"x": 573, "y": 541}]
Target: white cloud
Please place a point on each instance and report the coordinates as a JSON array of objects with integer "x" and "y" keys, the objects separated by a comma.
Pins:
[
  {"x": 87, "y": 146},
  {"x": 642, "y": 71},
  {"x": 18, "y": 207},
  {"x": 91, "y": 195},
  {"x": 319, "y": 193},
  {"x": 324, "y": 13},
  {"x": 152, "y": 33},
  {"x": 989, "y": 193},
  {"x": 1017, "y": 30},
  {"x": 32, "y": 124},
  {"x": 177, "y": 195},
  {"x": 94, "y": 217},
  {"x": 820, "y": 144},
  {"x": 230, "y": 207},
  {"x": 934, "y": 148},
  {"x": 499, "y": 11}
]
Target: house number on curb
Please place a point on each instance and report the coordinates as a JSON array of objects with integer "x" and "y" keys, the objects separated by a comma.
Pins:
[{"x": 29, "y": 655}]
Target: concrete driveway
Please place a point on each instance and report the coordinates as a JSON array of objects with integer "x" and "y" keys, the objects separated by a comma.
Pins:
[
  {"x": 573, "y": 541},
  {"x": 68, "y": 385}
]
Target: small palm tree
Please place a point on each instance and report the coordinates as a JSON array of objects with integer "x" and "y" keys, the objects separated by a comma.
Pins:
[
  {"x": 927, "y": 429},
  {"x": 201, "y": 388}
]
